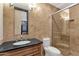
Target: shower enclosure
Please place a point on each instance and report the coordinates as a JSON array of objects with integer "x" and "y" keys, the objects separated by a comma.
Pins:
[
  {"x": 61, "y": 34},
  {"x": 65, "y": 26}
]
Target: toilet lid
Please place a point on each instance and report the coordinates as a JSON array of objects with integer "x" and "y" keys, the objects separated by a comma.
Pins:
[{"x": 53, "y": 50}]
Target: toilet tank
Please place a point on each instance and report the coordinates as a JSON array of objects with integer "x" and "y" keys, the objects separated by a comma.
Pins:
[{"x": 46, "y": 42}]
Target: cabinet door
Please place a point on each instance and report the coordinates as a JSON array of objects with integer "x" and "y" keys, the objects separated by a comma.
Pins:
[{"x": 26, "y": 51}]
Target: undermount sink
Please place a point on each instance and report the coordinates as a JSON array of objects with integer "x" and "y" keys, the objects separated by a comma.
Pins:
[{"x": 21, "y": 42}]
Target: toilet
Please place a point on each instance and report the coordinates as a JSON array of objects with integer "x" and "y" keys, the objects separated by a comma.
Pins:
[{"x": 50, "y": 50}]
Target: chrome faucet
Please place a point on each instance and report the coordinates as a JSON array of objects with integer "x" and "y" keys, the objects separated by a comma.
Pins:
[{"x": 21, "y": 37}]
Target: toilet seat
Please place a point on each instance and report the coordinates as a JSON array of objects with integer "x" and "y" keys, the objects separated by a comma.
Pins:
[{"x": 52, "y": 50}]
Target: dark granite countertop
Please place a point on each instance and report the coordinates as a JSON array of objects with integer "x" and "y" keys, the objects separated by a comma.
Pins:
[{"x": 7, "y": 46}]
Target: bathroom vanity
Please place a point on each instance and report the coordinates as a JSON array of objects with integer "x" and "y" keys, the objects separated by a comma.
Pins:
[{"x": 34, "y": 48}]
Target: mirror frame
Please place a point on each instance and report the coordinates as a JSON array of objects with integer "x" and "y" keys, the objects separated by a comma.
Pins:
[{"x": 17, "y": 8}]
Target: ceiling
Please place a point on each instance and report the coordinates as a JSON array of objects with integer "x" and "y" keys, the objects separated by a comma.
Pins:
[
  {"x": 58, "y": 5},
  {"x": 61, "y": 5},
  {"x": 21, "y": 5}
]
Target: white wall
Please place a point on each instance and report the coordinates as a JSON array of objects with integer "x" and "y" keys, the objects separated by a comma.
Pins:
[{"x": 1, "y": 22}]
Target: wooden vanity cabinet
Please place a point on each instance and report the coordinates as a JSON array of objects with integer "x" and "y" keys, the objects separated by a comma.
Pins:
[{"x": 34, "y": 50}]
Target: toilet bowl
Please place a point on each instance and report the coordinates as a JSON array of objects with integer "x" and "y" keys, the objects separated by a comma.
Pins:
[{"x": 50, "y": 50}]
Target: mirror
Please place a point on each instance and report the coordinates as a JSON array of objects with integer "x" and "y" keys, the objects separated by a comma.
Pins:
[{"x": 21, "y": 21}]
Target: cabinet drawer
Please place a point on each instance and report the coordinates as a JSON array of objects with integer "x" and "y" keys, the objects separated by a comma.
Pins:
[
  {"x": 29, "y": 52},
  {"x": 3, "y": 54}
]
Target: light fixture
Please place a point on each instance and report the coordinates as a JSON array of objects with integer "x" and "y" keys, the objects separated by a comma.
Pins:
[
  {"x": 11, "y": 4},
  {"x": 65, "y": 14},
  {"x": 32, "y": 5}
]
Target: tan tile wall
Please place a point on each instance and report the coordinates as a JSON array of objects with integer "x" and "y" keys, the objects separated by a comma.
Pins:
[
  {"x": 8, "y": 20},
  {"x": 39, "y": 23},
  {"x": 74, "y": 30},
  {"x": 1, "y": 23}
]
